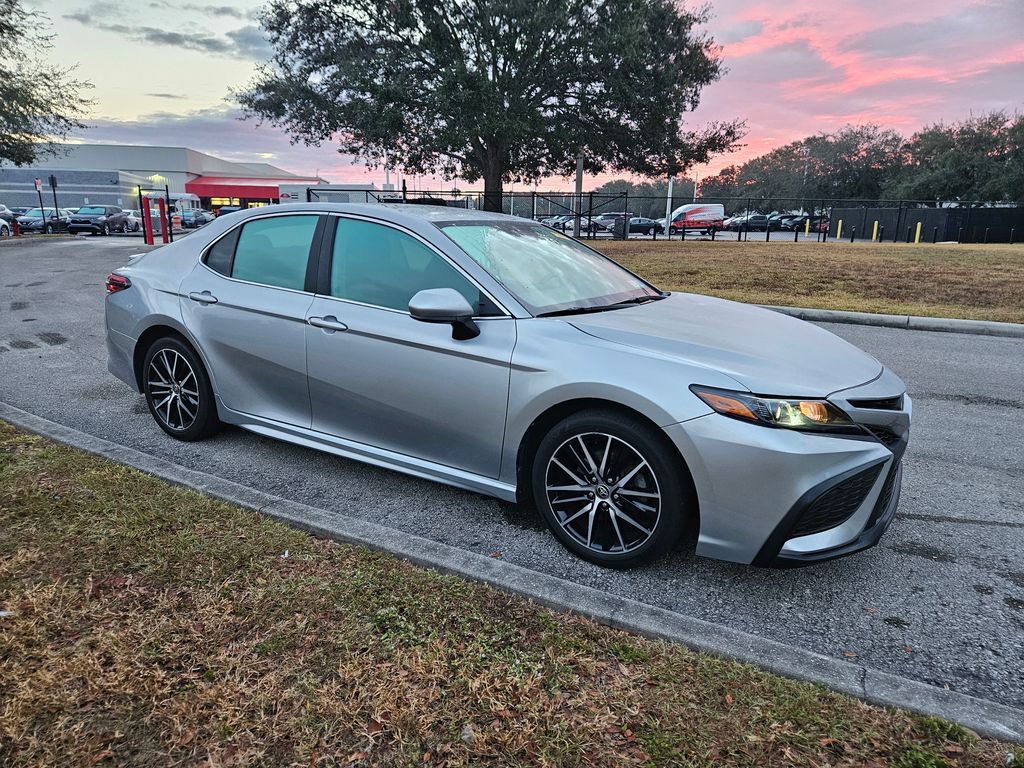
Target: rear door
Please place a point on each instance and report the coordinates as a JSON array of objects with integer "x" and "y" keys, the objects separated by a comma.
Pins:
[
  {"x": 379, "y": 377},
  {"x": 246, "y": 304}
]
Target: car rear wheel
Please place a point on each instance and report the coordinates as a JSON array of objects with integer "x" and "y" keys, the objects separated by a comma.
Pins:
[
  {"x": 178, "y": 391},
  {"x": 5, "y": 230},
  {"x": 609, "y": 488}
]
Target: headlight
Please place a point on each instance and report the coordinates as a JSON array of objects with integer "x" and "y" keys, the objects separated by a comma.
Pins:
[{"x": 808, "y": 415}]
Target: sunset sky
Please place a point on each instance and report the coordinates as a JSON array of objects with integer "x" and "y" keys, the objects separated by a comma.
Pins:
[{"x": 162, "y": 71}]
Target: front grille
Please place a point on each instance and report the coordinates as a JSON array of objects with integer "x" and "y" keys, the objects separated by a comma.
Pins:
[
  {"x": 885, "y": 497},
  {"x": 884, "y": 435},
  {"x": 836, "y": 505},
  {"x": 883, "y": 404}
]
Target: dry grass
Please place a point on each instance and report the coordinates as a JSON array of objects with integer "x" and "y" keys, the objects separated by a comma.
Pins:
[
  {"x": 149, "y": 625},
  {"x": 981, "y": 282}
]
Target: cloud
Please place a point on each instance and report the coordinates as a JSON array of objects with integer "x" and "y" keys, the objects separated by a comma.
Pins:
[
  {"x": 251, "y": 43},
  {"x": 209, "y": 10},
  {"x": 166, "y": 95},
  {"x": 247, "y": 42}
]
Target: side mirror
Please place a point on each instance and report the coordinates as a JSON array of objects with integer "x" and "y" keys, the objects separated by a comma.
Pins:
[{"x": 445, "y": 305}]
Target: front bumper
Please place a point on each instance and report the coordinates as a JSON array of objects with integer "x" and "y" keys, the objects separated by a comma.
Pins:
[
  {"x": 76, "y": 228},
  {"x": 783, "y": 498}
]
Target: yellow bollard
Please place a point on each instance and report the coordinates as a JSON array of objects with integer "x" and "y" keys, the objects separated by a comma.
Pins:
[
  {"x": 874, "y": 232},
  {"x": 917, "y": 236},
  {"x": 807, "y": 227},
  {"x": 839, "y": 230}
]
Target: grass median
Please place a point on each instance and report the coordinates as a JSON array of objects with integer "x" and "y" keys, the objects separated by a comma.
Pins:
[
  {"x": 977, "y": 282},
  {"x": 145, "y": 624}
]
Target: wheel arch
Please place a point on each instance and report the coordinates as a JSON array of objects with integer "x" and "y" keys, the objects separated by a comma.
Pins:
[
  {"x": 546, "y": 420},
  {"x": 159, "y": 331}
]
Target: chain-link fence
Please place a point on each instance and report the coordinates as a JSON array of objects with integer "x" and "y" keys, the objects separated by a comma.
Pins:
[{"x": 593, "y": 215}]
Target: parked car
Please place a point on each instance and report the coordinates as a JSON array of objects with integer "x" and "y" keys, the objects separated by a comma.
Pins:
[
  {"x": 644, "y": 226},
  {"x": 227, "y": 209},
  {"x": 192, "y": 218},
  {"x": 98, "y": 220},
  {"x": 133, "y": 221},
  {"x": 19, "y": 210},
  {"x": 449, "y": 344},
  {"x": 6, "y": 214},
  {"x": 777, "y": 221},
  {"x": 751, "y": 222},
  {"x": 561, "y": 223},
  {"x": 48, "y": 220}
]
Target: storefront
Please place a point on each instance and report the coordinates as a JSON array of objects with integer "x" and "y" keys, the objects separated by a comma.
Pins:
[{"x": 215, "y": 192}]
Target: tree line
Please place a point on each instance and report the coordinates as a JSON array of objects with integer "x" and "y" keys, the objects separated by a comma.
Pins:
[{"x": 980, "y": 158}]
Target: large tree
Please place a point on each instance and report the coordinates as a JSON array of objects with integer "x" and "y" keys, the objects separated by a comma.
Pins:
[
  {"x": 499, "y": 90},
  {"x": 39, "y": 103},
  {"x": 980, "y": 158},
  {"x": 854, "y": 163}
]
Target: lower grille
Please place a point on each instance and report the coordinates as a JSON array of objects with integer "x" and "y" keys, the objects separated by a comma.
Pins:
[
  {"x": 885, "y": 497},
  {"x": 836, "y": 505}
]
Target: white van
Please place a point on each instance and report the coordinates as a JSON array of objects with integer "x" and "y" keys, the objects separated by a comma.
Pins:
[{"x": 703, "y": 216}]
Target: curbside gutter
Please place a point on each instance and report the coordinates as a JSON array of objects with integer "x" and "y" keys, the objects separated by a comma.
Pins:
[
  {"x": 988, "y": 718},
  {"x": 907, "y": 322}
]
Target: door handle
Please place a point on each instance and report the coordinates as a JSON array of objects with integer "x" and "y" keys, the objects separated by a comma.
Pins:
[
  {"x": 328, "y": 323},
  {"x": 203, "y": 298}
]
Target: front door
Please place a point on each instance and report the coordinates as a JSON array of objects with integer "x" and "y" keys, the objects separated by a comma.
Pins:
[
  {"x": 246, "y": 303},
  {"x": 379, "y": 377}
]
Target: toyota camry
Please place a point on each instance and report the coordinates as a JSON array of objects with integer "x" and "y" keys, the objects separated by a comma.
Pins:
[{"x": 495, "y": 354}]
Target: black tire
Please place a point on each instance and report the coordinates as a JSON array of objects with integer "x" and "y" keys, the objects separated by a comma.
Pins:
[
  {"x": 104, "y": 230},
  {"x": 49, "y": 229},
  {"x": 205, "y": 421},
  {"x": 624, "y": 545}
]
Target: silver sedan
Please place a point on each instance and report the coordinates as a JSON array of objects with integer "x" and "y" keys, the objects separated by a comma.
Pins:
[{"x": 495, "y": 354}]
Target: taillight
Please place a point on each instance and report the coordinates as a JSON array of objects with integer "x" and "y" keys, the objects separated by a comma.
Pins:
[{"x": 117, "y": 283}]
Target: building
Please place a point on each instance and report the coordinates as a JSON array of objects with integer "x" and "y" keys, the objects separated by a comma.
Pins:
[{"x": 115, "y": 174}]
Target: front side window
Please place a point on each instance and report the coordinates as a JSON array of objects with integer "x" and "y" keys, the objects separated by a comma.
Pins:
[
  {"x": 544, "y": 269},
  {"x": 274, "y": 251},
  {"x": 379, "y": 265}
]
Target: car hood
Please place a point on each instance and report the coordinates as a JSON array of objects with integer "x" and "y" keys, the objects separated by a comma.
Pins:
[
  {"x": 765, "y": 351},
  {"x": 89, "y": 216}
]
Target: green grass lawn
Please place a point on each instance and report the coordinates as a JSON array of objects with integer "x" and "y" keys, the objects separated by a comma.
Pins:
[
  {"x": 143, "y": 624},
  {"x": 979, "y": 282}
]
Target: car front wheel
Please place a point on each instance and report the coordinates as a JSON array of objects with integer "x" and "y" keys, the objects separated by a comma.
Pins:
[
  {"x": 178, "y": 391},
  {"x": 610, "y": 488}
]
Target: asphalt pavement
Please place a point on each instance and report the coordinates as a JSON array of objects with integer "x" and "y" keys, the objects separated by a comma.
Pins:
[{"x": 940, "y": 600}]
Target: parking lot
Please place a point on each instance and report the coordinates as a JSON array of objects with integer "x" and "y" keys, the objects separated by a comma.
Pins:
[{"x": 941, "y": 599}]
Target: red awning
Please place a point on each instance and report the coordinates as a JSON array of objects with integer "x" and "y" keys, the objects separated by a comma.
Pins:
[{"x": 223, "y": 186}]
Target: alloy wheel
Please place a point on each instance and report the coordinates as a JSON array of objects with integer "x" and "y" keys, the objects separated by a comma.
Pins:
[
  {"x": 603, "y": 493},
  {"x": 173, "y": 389}
]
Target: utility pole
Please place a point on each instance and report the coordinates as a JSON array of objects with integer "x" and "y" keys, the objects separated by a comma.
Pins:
[
  {"x": 579, "y": 194},
  {"x": 668, "y": 207}
]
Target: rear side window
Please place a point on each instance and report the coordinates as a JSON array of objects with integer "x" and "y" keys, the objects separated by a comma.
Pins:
[
  {"x": 274, "y": 251},
  {"x": 220, "y": 256}
]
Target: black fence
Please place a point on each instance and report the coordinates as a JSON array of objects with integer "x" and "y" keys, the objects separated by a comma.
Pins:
[{"x": 595, "y": 215}]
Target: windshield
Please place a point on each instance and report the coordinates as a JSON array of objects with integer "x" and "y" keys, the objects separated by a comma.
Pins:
[
  {"x": 37, "y": 212},
  {"x": 91, "y": 209},
  {"x": 544, "y": 269}
]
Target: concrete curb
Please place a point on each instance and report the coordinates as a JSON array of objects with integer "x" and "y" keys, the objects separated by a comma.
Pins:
[
  {"x": 987, "y": 718},
  {"x": 907, "y": 322}
]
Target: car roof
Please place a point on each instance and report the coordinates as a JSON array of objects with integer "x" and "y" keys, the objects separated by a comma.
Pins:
[{"x": 398, "y": 213}]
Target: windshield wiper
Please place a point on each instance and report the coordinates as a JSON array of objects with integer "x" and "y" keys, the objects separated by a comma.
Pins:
[
  {"x": 577, "y": 310},
  {"x": 602, "y": 307},
  {"x": 639, "y": 300}
]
